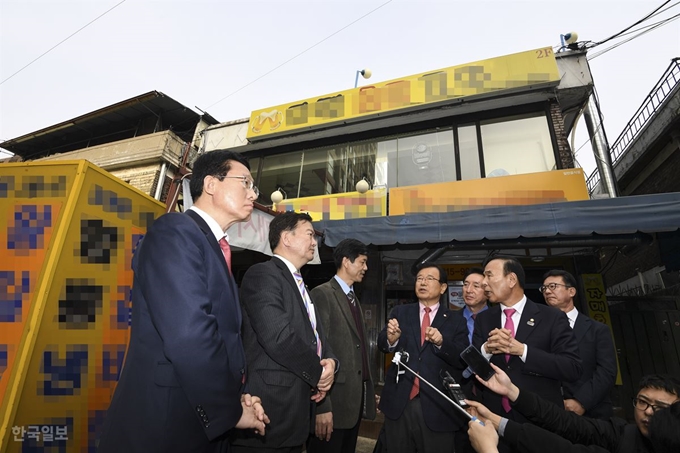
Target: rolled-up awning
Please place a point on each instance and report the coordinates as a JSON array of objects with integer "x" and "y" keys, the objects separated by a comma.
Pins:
[{"x": 614, "y": 216}]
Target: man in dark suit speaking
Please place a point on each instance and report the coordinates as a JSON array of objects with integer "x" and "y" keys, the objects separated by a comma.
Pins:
[
  {"x": 532, "y": 343},
  {"x": 589, "y": 395},
  {"x": 417, "y": 419},
  {"x": 290, "y": 363},
  {"x": 181, "y": 387}
]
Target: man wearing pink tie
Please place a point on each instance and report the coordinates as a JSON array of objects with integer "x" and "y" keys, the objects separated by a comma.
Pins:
[
  {"x": 532, "y": 343},
  {"x": 417, "y": 418}
]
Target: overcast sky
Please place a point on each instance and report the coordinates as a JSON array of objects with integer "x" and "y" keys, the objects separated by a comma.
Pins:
[{"x": 198, "y": 52}]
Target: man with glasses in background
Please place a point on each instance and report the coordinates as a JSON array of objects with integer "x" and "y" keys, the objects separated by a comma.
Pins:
[
  {"x": 589, "y": 395},
  {"x": 417, "y": 419},
  {"x": 615, "y": 434}
]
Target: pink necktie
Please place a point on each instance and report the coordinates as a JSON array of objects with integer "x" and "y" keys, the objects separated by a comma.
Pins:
[
  {"x": 423, "y": 328},
  {"x": 509, "y": 325},
  {"x": 226, "y": 251}
]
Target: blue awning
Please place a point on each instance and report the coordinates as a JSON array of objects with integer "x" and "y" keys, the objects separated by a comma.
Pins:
[{"x": 612, "y": 216}]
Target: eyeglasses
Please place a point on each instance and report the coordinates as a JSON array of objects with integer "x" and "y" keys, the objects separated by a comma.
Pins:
[
  {"x": 428, "y": 279},
  {"x": 248, "y": 183},
  {"x": 552, "y": 287},
  {"x": 642, "y": 405}
]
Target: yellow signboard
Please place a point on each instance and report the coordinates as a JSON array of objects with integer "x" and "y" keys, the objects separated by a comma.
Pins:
[
  {"x": 342, "y": 206},
  {"x": 598, "y": 308},
  {"x": 67, "y": 234},
  {"x": 532, "y": 188},
  {"x": 524, "y": 69}
]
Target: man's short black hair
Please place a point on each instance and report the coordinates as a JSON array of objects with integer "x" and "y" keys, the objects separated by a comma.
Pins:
[
  {"x": 567, "y": 278},
  {"x": 663, "y": 429},
  {"x": 350, "y": 249},
  {"x": 664, "y": 382},
  {"x": 442, "y": 273},
  {"x": 473, "y": 270},
  {"x": 287, "y": 221},
  {"x": 213, "y": 163},
  {"x": 510, "y": 264}
]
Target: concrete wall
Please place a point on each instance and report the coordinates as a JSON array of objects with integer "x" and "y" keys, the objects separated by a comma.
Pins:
[{"x": 146, "y": 149}]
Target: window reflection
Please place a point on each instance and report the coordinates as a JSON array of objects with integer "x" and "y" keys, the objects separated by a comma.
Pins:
[
  {"x": 469, "y": 152},
  {"x": 510, "y": 145},
  {"x": 422, "y": 159},
  {"x": 517, "y": 145}
]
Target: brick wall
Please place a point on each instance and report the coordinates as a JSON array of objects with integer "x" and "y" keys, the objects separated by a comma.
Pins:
[
  {"x": 142, "y": 178},
  {"x": 566, "y": 160}
]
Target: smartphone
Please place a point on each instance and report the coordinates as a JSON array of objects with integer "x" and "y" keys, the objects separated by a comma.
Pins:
[{"x": 477, "y": 362}]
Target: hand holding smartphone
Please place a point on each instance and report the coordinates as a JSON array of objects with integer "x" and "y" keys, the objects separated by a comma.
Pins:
[{"x": 477, "y": 362}]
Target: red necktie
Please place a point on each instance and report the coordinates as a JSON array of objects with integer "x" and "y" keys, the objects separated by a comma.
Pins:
[
  {"x": 226, "y": 251},
  {"x": 423, "y": 328},
  {"x": 505, "y": 402}
]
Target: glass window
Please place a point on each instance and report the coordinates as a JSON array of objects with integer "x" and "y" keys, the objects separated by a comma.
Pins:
[
  {"x": 322, "y": 171},
  {"x": 468, "y": 152},
  {"x": 422, "y": 159},
  {"x": 282, "y": 170},
  {"x": 517, "y": 145}
]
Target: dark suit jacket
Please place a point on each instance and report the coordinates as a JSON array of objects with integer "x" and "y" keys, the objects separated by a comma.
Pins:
[
  {"x": 598, "y": 357},
  {"x": 427, "y": 360},
  {"x": 552, "y": 356},
  {"x": 344, "y": 399},
  {"x": 283, "y": 368},
  {"x": 180, "y": 387}
]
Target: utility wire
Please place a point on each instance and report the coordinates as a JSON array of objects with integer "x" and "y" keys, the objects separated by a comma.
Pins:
[
  {"x": 631, "y": 26},
  {"x": 65, "y": 39},
  {"x": 660, "y": 24},
  {"x": 299, "y": 54}
]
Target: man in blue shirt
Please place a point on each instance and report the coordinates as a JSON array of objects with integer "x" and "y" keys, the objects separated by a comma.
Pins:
[
  {"x": 475, "y": 303},
  {"x": 474, "y": 297}
]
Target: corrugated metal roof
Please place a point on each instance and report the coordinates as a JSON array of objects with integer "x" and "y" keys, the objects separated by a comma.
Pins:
[{"x": 140, "y": 115}]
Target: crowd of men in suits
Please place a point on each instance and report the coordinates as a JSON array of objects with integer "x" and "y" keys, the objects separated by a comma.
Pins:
[{"x": 280, "y": 368}]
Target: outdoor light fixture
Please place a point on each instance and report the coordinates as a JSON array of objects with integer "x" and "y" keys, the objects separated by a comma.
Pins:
[
  {"x": 365, "y": 73},
  {"x": 363, "y": 185},
  {"x": 278, "y": 195}
]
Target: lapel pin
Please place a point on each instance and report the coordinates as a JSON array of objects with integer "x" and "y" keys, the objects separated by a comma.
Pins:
[
  {"x": 445, "y": 315},
  {"x": 530, "y": 322}
]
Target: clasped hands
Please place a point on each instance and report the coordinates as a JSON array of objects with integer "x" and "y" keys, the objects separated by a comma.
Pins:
[
  {"x": 501, "y": 341},
  {"x": 253, "y": 416},
  {"x": 432, "y": 334}
]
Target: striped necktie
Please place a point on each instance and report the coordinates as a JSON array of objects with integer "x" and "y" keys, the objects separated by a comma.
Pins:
[{"x": 308, "y": 302}]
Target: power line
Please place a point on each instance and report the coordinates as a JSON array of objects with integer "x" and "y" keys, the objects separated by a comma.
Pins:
[
  {"x": 660, "y": 24},
  {"x": 65, "y": 39},
  {"x": 631, "y": 26},
  {"x": 299, "y": 54}
]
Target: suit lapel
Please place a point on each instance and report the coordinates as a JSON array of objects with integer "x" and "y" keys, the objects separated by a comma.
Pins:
[
  {"x": 343, "y": 303},
  {"x": 529, "y": 320},
  {"x": 210, "y": 237},
  {"x": 441, "y": 317},
  {"x": 290, "y": 280},
  {"x": 581, "y": 326},
  {"x": 414, "y": 323}
]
